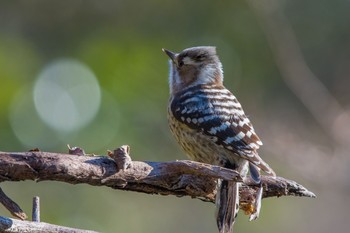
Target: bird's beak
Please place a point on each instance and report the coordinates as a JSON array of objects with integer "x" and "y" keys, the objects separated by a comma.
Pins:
[{"x": 170, "y": 54}]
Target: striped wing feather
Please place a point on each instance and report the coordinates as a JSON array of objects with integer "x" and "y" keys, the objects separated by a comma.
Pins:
[{"x": 214, "y": 111}]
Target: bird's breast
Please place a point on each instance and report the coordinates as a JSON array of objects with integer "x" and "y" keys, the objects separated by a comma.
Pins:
[{"x": 198, "y": 146}]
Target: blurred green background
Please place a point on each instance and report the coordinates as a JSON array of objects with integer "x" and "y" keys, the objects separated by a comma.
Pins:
[{"x": 92, "y": 74}]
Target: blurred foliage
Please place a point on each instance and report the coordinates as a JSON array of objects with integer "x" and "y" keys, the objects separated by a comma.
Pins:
[{"x": 121, "y": 41}]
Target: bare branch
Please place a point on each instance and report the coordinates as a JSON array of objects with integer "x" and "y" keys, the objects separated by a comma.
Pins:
[
  {"x": 10, "y": 225},
  {"x": 180, "y": 178}
]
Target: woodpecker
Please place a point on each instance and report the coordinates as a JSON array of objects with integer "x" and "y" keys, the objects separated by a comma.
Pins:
[{"x": 210, "y": 125}]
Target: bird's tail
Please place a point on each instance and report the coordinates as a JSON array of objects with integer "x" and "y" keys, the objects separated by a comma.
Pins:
[{"x": 227, "y": 205}]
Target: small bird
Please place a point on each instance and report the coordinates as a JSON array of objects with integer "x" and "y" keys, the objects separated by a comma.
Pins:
[{"x": 210, "y": 125}]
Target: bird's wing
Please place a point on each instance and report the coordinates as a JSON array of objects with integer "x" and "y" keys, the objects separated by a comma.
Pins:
[{"x": 223, "y": 120}]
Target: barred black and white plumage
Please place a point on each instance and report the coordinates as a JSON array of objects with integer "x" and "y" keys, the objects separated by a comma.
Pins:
[
  {"x": 215, "y": 112},
  {"x": 210, "y": 125}
]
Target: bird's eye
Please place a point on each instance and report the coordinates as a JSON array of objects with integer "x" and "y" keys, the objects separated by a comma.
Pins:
[{"x": 199, "y": 57}]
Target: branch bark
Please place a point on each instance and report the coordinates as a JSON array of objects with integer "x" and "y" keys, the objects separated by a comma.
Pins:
[
  {"x": 9, "y": 225},
  {"x": 180, "y": 178}
]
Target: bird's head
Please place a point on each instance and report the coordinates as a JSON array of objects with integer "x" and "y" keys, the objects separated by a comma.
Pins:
[{"x": 193, "y": 66}]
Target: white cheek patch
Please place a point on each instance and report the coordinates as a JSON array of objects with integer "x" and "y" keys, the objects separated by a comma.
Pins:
[{"x": 208, "y": 74}]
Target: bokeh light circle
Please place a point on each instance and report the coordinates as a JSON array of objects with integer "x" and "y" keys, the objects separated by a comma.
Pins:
[
  {"x": 66, "y": 95},
  {"x": 29, "y": 129}
]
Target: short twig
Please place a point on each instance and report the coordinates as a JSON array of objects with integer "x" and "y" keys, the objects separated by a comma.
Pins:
[
  {"x": 36, "y": 209},
  {"x": 12, "y": 206}
]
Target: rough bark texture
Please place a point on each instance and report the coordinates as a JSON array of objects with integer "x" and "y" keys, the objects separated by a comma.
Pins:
[
  {"x": 9, "y": 225},
  {"x": 180, "y": 178}
]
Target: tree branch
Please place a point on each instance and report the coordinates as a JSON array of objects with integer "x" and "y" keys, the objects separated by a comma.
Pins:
[
  {"x": 180, "y": 178},
  {"x": 10, "y": 225}
]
